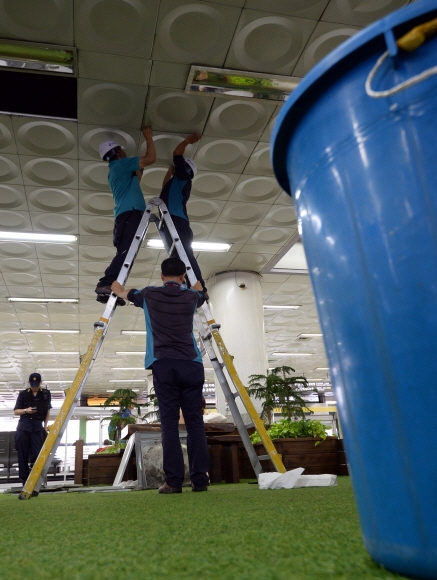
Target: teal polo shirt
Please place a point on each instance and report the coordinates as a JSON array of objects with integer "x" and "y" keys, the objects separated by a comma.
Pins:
[{"x": 124, "y": 184}]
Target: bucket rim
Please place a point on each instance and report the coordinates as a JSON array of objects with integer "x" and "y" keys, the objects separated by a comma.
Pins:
[{"x": 280, "y": 135}]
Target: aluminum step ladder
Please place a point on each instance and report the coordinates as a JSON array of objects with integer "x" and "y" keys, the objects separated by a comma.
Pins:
[{"x": 208, "y": 329}]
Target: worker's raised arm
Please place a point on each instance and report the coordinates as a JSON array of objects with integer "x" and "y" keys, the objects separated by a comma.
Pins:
[
  {"x": 180, "y": 149},
  {"x": 150, "y": 156}
]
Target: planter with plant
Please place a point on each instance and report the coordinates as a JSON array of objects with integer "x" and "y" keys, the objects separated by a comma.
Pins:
[
  {"x": 302, "y": 442},
  {"x": 127, "y": 401}
]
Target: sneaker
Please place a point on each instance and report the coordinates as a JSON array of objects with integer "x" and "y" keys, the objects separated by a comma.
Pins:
[
  {"x": 199, "y": 488},
  {"x": 103, "y": 299},
  {"x": 103, "y": 290},
  {"x": 165, "y": 488}
]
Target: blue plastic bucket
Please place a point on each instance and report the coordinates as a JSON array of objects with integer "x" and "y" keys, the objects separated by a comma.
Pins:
[{"x": 363, "y": 174}]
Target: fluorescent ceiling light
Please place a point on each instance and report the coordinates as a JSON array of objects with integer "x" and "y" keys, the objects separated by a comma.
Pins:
[
  {"x": 35, "y": 56},
  {"x": 134, "y": 332},
  {"x": 239, "y": 84},
  {"x": 26, "y": 237},
  {"x": 52, "y": 353},
  {"x": 321, "y": 369},
  {"x": 56, "y": 382},
  {"x": 127, "y": 380},
  {"x": 276, "y": 307},
  {"x": 55, "y": 369},
  {"x": 131, "y": 352},
  {"x": 45, "y": 300},
  {"x": 292, "y": 354},
  {"x": 198, "y": 246},
  {"x": 127, "y": 368},
  {"x": 310, "y": 335},
  {"x": 29, "y": 331}
]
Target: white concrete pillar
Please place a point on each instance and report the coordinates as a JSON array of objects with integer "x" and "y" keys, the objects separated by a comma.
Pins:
[{"x": 236, "y": 303}]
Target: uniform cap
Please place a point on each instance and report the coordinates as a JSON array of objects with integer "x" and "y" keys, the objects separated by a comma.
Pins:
[
  {"x": 106, "y": 147},
  {"x": 192, "y": 166},
  {"x": 35, "y": 380}
]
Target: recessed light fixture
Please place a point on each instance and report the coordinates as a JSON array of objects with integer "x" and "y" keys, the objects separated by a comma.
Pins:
[
  {"x": 134, "y": 332},
  {"x": 52, "y": 353},
  {"x": 28, "y": 237},
  {"x": 31, "y": 331},
  {"x": 56, "y": 382},
  {"x": 34, "y": 56},
  {"x": 322, "y": 369},
  {"x": 45, "y": 300},
  {"x": 310, "y": 335},
  {"x": 197, "y": 246},
  {"x": 56, "y": 369},
  {"x": 131, "y": 352},
  {"x": 127, "y": 381},
  {"x": 279, "y": 307},
  {"x": 292, "y": 354}
]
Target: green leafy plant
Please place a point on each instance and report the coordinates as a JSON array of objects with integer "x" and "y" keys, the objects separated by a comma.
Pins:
[
  {"x": 152, "y": 405},
  {"x": 119, "y": 418},
  {"x": 112, "y": 448},
  {"x": 279, "y": 389},
  {"x": 291, "y": 429}
]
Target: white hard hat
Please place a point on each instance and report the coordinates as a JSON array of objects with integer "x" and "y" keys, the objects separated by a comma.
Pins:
[
  {"x": 105, "y": 147},
  {"x": 193, "y": 166}
]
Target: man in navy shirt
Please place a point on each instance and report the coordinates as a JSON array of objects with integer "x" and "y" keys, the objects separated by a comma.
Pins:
[
  {"x": 124, "y": 180},
  {"x": 33, "y": 407},
  {"x": 176, "y": 190},
  {"x": 178, "y": 374}
]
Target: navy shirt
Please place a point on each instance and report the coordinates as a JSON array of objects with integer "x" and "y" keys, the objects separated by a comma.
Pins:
[
  {"x": 169, "y": 311},
  {"x": 177, "y": 190},
  {"x": 42, "y": 401},
  {"x": 124, "y": 184}
]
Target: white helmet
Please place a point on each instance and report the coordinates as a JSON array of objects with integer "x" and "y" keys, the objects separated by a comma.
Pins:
[
  {"x": 192, "y": 165},
  {"x": 106, "y": 147}
]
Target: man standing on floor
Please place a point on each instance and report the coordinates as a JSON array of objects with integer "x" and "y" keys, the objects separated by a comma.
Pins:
[
  {"x": 178, "y": 374},
  {"x": 124, "y": 180},
  {"x": 176, "y": 190},
  {"x": 33, "y": 407}
]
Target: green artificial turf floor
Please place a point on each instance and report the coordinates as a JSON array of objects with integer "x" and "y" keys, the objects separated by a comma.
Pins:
[{"x": 231, "y": 532}]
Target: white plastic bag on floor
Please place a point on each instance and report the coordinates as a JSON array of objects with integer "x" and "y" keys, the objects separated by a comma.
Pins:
[
  {"x": 316, "y": 480},
  {"x": 279, "y": 480}
]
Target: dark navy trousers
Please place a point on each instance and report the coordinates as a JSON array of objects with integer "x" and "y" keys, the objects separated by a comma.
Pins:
[
  {"x": 125, "y": 227},
  {"x": 178, "y": 385},
  {"x": 28, "y": 445}
]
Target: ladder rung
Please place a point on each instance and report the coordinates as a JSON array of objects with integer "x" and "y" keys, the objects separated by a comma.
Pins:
[{"x": 263, "y": 457}]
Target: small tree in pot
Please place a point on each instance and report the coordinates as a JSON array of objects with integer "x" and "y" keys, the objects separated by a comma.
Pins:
[{"x": 119, "y": 418}]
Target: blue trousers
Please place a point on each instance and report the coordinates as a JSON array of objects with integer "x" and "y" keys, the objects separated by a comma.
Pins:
[
  {"x": 178, "y": 385},
  {"x": 28, "y": 445}
]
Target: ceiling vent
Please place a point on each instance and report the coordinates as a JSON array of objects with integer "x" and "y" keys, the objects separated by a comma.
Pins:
[{"x": 303, "y": 338}]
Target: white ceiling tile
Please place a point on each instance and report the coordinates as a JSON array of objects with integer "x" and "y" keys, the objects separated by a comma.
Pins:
[
  {"x": 58, "y": 267},
  {"x": 96, "y": 225},
  {"x": 238, "y": 118},
  {"x": 253, "y": 262},
  {"x": 113, "y": 104},
  {"x": 59, "y": 280},
  {"x": 22, "y": 279},
  {"x": 50, "y": 22},
  {"x": 57, "y": 251},
  {"x": 176, "y": 111},
  {"x": 201, "y": 230},
  {"x": 271, "y": 249},
  {"x": 267, "y": 134},
  {"x": 303, "y": 8},
  {"x": 169, "y": 74},
  {"x": 210, "y": 263},
  {"x": 151, "y": 182},
  {"x": 268, "y": 43},
  {"x": 126, "y": 29},
  {"x": 259, "y": 162},
  {"x": 10, "y": 169},
  {"x": 49, "y": 171},
  {"x": 90, "y": 137},
  {"x": 14, "y": 250},
  {"x": 243, "y": 213},
  {"x": 96, "y": 203},
  {"x": 7, "y": 138},
  {"x": 281, "y": 216},
  {"x": 94, "y": 268},
  {"x": 52, "y": 199},
  {"x": 93, "y": 175},
  {"x": 229, "y": 155},
  {"x": 266, "y": 236},
  {"x": 15, "y": 221},
  {"x": 24, "y": 291},
  {"x": 114, "y": 68},
  {"x": 18, "y": 265},
  {"x": 230, "y": 233},
  {"x": 360, "y": 13},
  {"x": 205, "y": 210},
  {"x": 13, "y": 197},
  {"x": 95, "y": 255},
  {"x": 257, "y": 189},
  {"x": 165, "y": 144},
  {"x": 54, "y": 223},
  {"x": 190, "y": 31},
  {"x": 45, "y": 138},
  {"x": 325, "y": 38},
  {"x": 213, "y": 185}
]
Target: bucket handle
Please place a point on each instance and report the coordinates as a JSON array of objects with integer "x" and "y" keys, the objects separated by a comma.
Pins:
[{"x": 398, "y": 88}]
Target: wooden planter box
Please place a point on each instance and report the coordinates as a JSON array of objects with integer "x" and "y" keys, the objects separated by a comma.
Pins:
[
  {"x": 301, "y": 452},
  {"x": 101, "y": 468}
]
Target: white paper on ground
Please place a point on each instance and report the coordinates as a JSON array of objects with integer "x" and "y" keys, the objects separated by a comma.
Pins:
[
  {"x": 279, "y": 480},
  {"x": 316, "y": 480}
]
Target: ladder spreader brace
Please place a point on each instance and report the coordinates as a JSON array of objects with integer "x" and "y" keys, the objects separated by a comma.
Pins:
[{"x": 49, "y": 448}]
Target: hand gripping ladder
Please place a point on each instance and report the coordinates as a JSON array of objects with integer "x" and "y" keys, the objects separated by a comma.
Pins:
[{"x": 47, "y": 453}]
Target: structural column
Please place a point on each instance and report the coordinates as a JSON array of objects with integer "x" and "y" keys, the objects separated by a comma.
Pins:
[{"x": 236, "y": 303}]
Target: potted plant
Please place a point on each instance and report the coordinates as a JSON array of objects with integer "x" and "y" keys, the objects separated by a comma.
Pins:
[
  {"x": 119, "y": 418},
  {"x": 302, "y": 442}
]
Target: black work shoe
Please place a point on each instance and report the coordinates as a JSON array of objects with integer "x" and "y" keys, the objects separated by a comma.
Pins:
[
  {"x": 103, "y": 299},
  {"x": 165, "y": 488},
  {"x": 199, "y": 488},
  {"x": 103, "y": 290}
]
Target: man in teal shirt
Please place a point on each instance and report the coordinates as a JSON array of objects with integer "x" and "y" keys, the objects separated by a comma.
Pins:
[{"x": 124, "y": 180}]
